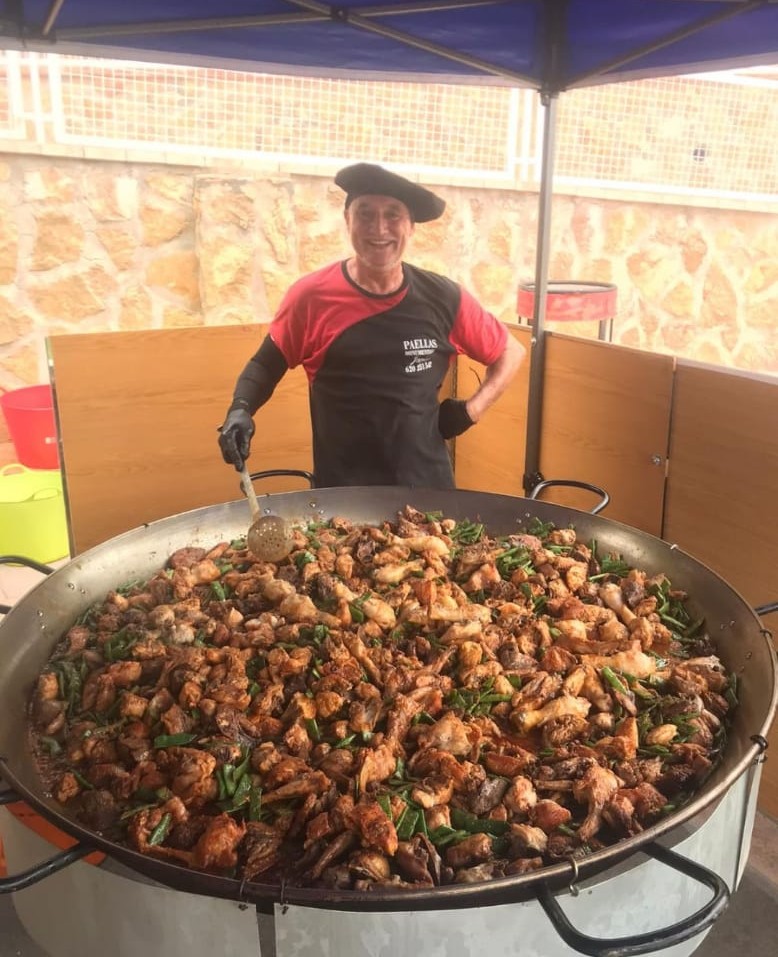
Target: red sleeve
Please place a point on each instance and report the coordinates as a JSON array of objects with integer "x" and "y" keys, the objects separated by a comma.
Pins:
[
  {"x": 477, "y": 333},
  {"x": 288, "y": 328}
]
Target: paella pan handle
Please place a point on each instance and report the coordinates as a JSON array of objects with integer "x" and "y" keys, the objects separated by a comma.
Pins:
[
  {"x": 652, "y": 940},
  {"x": 21, "y": 560},
  {"x": 572, "y": 483},
  {"x": 274, "y": 473},
  {"x": 18, "y": 882}
]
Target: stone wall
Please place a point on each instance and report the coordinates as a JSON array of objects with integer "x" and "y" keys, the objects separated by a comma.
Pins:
[{"x": 89, "y": 246}]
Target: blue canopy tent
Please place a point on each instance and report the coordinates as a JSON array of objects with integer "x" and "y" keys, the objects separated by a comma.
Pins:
[{"x": 548, "y": 45}]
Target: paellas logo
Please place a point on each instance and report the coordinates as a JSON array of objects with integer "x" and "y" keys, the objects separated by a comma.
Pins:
[{"x": 419, "y": 352}]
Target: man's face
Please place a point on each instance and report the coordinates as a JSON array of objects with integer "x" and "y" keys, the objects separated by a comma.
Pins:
[{"x": 379, "y": 229}]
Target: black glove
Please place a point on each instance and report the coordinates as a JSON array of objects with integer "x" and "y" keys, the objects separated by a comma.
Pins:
[
  {"x": 235, "y": 437},
  {"x": 453, "y": 418}
]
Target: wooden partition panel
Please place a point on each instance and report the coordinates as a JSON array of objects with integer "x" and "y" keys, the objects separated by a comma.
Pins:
[
  {"x": 606, "y": 419},
  {"x": 722, "y": 492},
  {"x": 138, "y": 413},
  {"x": 490, "y": 456}
]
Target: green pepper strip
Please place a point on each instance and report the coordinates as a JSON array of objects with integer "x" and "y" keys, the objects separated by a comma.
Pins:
[
  {"x": 443, "y": 835},
  {"x": 173, "y": 740},
  {"x": 83, "y": 781},
  {"x": 160, "y": 832},
  {"x": 406, "y": 825},
  {"x": 345, "y": 743},
  {"x": 312, "y": 728},
  {"x": 610, "y": 676},
  {"x": 255, "y": 803},
  {"x": 464, "y": 821}
]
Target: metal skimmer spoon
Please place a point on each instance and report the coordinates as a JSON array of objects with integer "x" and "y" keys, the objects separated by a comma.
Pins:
[{"x": 269, "y": 537}]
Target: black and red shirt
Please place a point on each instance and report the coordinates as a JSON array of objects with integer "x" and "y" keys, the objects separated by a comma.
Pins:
[{"x": 375, "y": 364}]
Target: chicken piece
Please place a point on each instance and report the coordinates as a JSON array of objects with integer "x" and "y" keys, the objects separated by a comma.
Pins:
[
  {"x": 47, "y": 688},
  {"x": 328, "y": 703},
  {"x": 613, "y": 630},
  {"x": 376, "y": 764},
  {"x": 595, "y": 788},
  {"x": 162, "y": 616},
  {"x": 631, "y": 662},
  {"x": 448, "y": 734},
  {"x": 334, "y": 850},
  {"x": 297, "y": 607},
  {"x": 482, "y": 578},
  {"x": 520, "y": 796},
  {"x": 191, "y": 773},
  {"x": 524, "y": 839},
  {"x": 262, "y": 849},
  {"x": 124, "y": 674},
  {"x": 571, "y": 628},
  {"x": 399, "y": 719},
  {"x": 363, "y": 715},
  {"x": 315, "y": 782},
  {"x": 469, "y": 655},
  {"x": 132, "y": 705},
  {"x": 624, "y": 743},
  {"x": 612, "y": 595},
  {"x": 394, "y": 574},
  {"x": 430, "y": 761},
  {"x": 269, "y": 700},
  {"x": 508, "y": 765},
  {"x": 662, "y": 734},
  {"x": 472, "y": 850},
  {"x": 560, "y": 731},
  {"x": 434, "y": 790},
  {"x": 67, "y": 787},
  {"x": 380, "y": 612},
  {"x": 630, "y": 809},
  {"x": 438, "y": 816},
  {"x": 698, "y": 675},
  {"x": 576, "y": 575},
  {"x": 424, "y": 543},
  {"x": 370, "y": 866},
  {"x": 374, "y": 828},
  {"x": 217, "y": 849},
  {"x": 556, "y": 661},
  {"x": 548, "y": 815},
  {"x": 458, "y": 633},
  {"x": 277, "y": 768},
  {"x": 525, "y": 721},
  {"x": 447, "y": 609},
  {"x": 536, "y": 691}
]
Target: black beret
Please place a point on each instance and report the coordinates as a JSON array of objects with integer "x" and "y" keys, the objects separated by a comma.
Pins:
[{"x": 368, "y": 179}]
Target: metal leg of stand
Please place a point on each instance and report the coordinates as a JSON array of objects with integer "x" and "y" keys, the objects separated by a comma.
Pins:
[{"x": 605, "y": 333}]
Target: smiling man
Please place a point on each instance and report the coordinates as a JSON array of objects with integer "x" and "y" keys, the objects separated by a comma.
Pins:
[{"x": 376, "y": 336}]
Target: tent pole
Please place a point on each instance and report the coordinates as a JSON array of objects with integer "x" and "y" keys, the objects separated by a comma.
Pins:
[{"x": 532, "y": 474}]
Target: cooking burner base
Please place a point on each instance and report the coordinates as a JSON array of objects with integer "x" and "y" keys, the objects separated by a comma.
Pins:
[{"x": 110, "y": 909}]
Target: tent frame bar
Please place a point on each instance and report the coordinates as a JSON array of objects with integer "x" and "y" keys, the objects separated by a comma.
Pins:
[{"x": 604, "y": 69}]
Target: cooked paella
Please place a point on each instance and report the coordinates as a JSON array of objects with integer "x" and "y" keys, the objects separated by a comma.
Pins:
[{"x": 408, "y": 704}]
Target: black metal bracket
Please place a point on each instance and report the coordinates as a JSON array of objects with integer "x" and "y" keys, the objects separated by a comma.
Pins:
[
  {"x": 29, "y": 562},
  {"x": 760, "y": 741},
  {"x": 574, "y": 483},
  {"x": 531, "y": 480},
  {"x": 275, "y": 473},
  {"x": 651, "y": 941}
]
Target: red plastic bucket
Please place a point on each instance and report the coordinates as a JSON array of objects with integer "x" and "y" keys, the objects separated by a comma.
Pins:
[{"x": 29, "y": 413}]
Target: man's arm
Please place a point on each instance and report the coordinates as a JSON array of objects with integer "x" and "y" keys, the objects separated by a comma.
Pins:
[
  {"x": 498, "y": 376},
  {"x": 254, "y": 387},
  {"x": 259, "y": 378}
]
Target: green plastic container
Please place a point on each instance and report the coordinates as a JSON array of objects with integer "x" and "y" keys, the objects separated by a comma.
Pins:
[{"x": 33, "y": 522}]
